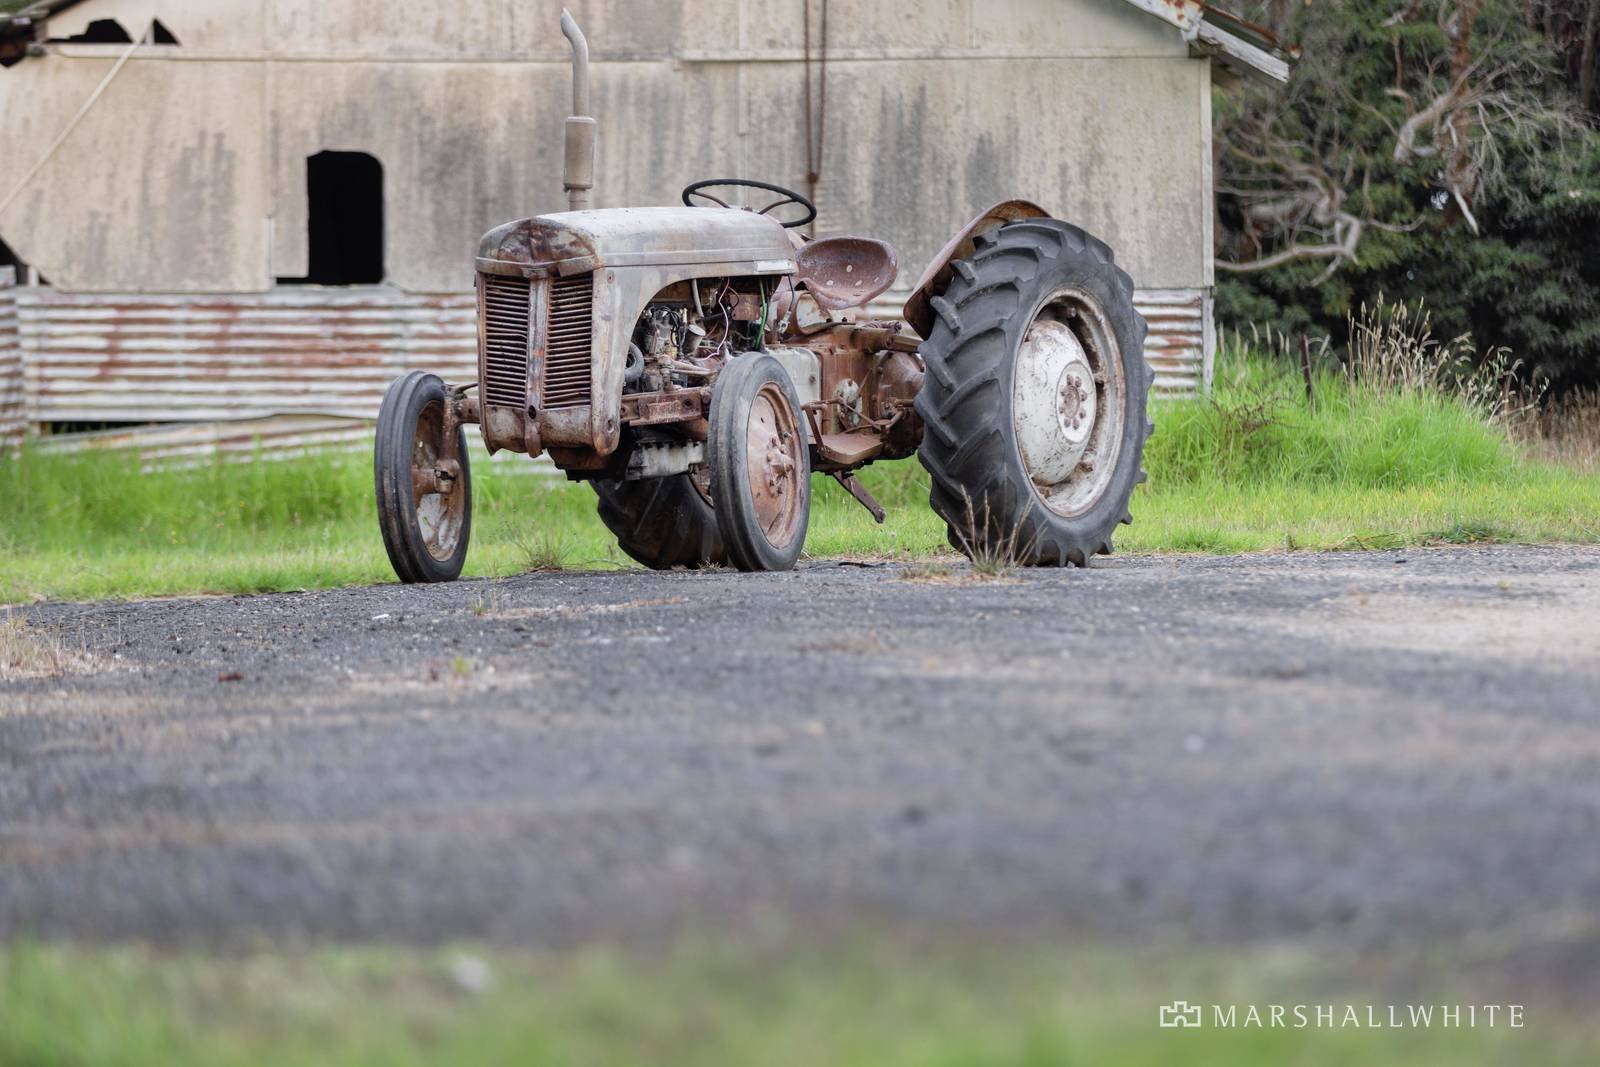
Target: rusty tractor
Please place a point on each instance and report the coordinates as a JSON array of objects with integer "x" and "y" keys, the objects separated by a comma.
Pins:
[{"x": 697, "y": 364}]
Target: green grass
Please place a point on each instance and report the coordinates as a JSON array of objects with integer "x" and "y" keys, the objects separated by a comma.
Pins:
[
  {"x": 878, "y": 1003},
  {"x": 1256, "y": 467},
  {"x": 1253, "y": 468}
]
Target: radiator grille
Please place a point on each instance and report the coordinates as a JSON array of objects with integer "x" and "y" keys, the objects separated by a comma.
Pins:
[
  {"x": 566, "y": 368},
  {"x": 505, "y": 340}
]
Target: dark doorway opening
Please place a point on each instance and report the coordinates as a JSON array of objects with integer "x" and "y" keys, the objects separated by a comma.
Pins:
[{"x": 345, "y": 211}]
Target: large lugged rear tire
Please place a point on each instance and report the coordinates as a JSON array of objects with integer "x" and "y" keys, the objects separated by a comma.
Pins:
[
  {"x": 1034, "y": 399},
  {"x": 661, "y": 522}
]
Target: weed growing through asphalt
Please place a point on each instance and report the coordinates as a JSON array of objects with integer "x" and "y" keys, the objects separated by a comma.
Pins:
[
  {"x": 28, "y": 651},
  {"x": 929, "y": 572},
  {"x": 995, "y": 552},
  {"x": 544, "y": 550}
]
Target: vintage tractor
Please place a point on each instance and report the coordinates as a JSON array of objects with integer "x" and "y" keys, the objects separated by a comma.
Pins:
[{"x": 697, "y": 364}]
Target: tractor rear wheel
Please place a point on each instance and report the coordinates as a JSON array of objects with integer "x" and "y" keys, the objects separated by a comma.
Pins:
[
  {"x": 1033, "y": 405},
  {"x": 662, "y": 522}
]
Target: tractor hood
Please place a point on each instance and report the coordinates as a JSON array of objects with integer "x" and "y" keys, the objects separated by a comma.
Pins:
[{"x": 572, "y": 242}]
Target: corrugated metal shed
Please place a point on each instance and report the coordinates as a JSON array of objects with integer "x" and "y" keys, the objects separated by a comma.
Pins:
[
  {"x": 293, "y": 350},
  {"x": 461, "y": 103},
  {"x": 13, "y": 401}
]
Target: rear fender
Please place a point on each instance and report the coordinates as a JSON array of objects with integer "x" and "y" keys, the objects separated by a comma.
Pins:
[{"x": 917, "y": 311}]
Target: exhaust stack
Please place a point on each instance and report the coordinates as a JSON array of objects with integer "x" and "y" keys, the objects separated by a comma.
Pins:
[{"x": 578, "y": 170}]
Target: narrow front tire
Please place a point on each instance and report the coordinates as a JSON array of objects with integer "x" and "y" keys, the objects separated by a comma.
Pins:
[
  {"x": 424, "y": 481},
  {"x": 760, "y": 464}
]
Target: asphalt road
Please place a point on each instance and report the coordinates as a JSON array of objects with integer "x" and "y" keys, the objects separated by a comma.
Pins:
[{"x": 1374, "y": 747}]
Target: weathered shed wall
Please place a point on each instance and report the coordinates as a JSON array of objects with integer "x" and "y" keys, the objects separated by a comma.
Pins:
[{"x": 188, "y": 174}]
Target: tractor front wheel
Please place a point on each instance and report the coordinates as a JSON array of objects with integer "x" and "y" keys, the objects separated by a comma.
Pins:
[
  {"x": 760, "y": 464},
  {"x": 1033, "y": 404},
  {"x": 424, "y": 481}
]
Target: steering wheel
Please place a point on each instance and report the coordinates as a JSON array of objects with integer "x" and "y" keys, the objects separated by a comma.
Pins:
[{"x": 785, "y": 196}]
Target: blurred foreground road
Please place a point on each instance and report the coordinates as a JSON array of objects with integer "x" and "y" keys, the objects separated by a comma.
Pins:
[{"x": 1369, "y": 747}]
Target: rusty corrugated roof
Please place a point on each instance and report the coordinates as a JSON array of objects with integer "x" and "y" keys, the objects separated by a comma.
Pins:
[{"x": 1242, "y": 46}]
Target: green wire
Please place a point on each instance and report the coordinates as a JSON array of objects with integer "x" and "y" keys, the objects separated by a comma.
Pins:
[{"x": 761, "y": 337}]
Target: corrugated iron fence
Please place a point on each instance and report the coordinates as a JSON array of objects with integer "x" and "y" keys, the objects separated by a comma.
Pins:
[
  {"x": 1181, "y": 341},
  {"x": 13, "y": 400},
  {"x": 186, "y": 358},
  {"x": 308, "y": 351}
]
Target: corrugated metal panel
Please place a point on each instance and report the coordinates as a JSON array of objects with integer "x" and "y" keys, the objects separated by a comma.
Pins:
[
  {"x": 13, "y": 411},
  {"x": 1179, "y": 321},
  {"x": 293, "y": 350},
  {"x": 193, "y": 443},
  {"x": 1176, "y": 346},
  {"x": 281, "y": 437}
]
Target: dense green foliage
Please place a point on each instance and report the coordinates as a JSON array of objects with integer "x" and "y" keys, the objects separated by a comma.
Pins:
[
  {"x": 1529, "y": 169},
  {"x": 1258, "y": 430}
]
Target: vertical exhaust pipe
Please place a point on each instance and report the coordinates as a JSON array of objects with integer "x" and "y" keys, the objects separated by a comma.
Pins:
[{"x": 578, "y": 165}]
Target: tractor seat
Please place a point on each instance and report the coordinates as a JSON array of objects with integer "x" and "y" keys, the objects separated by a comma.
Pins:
[{"x": 845, "y": 272}]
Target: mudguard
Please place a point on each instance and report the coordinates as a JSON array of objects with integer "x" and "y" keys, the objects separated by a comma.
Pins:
[{"x": 917, "y": 311}]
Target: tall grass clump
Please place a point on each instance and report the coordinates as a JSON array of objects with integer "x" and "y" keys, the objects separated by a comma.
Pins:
[
  {"x": 1565, "y": 430},
  {"x": 1399, "y": 440},
  {"x": 1401, "y": 409}
]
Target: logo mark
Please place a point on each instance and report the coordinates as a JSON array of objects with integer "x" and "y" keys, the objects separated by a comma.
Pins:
[{"x": 1180, "y": 1013}]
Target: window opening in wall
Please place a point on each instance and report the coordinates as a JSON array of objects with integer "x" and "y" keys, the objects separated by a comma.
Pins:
[{"x": 345, "y": 219}]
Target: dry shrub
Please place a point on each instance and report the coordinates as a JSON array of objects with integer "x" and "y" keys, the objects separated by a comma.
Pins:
[
  {"x": 995, "y": 549},
  {"x": 33, "y": 652},
  {"x": 1392, "y": 350},
  {"x": 1565, "y": 430}
]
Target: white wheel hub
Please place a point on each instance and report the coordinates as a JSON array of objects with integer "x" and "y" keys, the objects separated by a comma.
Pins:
[{"x": 1054, "y": 403}]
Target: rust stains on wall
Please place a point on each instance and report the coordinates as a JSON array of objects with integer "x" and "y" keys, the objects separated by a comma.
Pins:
[{"x": 293, "y": 350}]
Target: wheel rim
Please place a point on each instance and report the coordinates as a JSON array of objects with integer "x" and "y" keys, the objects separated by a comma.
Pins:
[
  {"x": 774, "y": 463},
  {"x": 436, "y": 486},
  {"x": 1067, "y": 404}
]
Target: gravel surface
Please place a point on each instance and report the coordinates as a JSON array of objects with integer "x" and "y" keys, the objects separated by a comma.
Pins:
[{"x": 1376, "y": 747}]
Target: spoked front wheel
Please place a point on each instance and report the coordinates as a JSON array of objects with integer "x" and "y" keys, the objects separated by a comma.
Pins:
[
  {"x": 760, "y": 464},
  {"x": 424, "y": 481}
]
